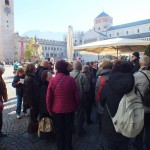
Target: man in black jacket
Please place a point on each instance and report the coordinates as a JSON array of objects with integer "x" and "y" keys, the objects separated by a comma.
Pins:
[{"x": 135, "y": 62}]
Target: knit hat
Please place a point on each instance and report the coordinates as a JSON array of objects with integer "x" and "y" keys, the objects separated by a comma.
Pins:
[
  {"x": 136, "y": 54},
  {"x": 61, "y": 66}
]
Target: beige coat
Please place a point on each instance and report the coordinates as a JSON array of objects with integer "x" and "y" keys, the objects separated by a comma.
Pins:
[
  {"x": 142, "y": 83},
  {"x": 3, "y": 90}
]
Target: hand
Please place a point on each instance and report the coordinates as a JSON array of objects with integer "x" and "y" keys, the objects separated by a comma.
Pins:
[
  {"x": 5, "y": 100},
  {"x": 19, "y": 82},
  {"x": 50, "y": 114}
]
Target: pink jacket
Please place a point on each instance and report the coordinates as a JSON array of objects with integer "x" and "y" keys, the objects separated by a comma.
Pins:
[{"x": 62, "y": 94}]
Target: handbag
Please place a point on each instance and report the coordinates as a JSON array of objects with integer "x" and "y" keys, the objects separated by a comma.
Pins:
[{"x": 45, "y": 126}]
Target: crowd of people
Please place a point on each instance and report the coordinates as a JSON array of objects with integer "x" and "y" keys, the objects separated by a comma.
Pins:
[{"x": 68, "y": 95}]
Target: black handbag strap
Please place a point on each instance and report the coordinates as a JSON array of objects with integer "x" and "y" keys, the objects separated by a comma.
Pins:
[
  {"x": 108, "y": 111},
  {"x": 58, "y": 82},
  {"x": 146, "y": 77},
  {"x": 77, "y": 75},
  {"x": 137, "y": 87},
  {"x": 140, "y": 94}
]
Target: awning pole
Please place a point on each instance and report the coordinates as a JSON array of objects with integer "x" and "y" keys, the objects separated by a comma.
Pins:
[{"x": 117, "y": 52}]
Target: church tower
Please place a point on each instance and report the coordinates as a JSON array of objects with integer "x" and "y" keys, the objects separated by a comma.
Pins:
[
  {"x": 102, "y": 22},
  {"x": 7, "y": 30}
]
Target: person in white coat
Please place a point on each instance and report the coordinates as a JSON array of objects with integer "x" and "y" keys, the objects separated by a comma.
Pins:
[{"x": 141, "y": 83}]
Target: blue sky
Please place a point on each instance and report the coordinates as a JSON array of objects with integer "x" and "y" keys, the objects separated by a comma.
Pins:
[{"x": 57, "y": 15}]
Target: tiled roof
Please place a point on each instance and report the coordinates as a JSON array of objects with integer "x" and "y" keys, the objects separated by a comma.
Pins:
[
  {"x": 135, "y": 36},
  {"x": 130, "y": 24},
  {"x": 103, "y": 14}
]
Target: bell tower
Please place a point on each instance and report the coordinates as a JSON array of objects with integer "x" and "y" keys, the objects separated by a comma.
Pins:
[
  {"x": 103, "y": 22},
  {"x": 7, "y": 30}
]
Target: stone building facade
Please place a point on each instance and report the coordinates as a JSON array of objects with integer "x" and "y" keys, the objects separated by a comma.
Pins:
[{"x": 50, "y": 48}]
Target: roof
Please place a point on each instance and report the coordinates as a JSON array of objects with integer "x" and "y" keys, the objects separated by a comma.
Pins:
[
  {"x": 100, "y": 33},
  {"x": 96, "y": 32},
  {"x": 130, "y": 24},
  {"x": 136, "y": 36},
  {"x": 103, "y": 14}
]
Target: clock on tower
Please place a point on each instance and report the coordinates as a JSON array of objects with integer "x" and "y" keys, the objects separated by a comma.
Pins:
[{"x": 7, "y": 10}]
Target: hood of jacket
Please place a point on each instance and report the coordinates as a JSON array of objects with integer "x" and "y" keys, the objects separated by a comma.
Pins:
[
  {"x": 30, "y": 75},
  {"x": 106, "y": 72},
  {"x": 121, "y": 82}
]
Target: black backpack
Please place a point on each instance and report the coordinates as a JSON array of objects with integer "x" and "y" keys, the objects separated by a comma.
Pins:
[{"x": 146, "y": 96}]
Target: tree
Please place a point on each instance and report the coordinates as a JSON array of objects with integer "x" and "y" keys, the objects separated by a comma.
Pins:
[
  {"x": 147, "y": 51},
  {"x": 29, "y": 49}
]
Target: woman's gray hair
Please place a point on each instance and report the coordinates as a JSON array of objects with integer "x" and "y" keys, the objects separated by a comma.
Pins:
[
  {"x": 85, "y": 69},
  {"x": 145, "y": 61},
  {"x": 2, "y": 69},
  {"x": 107, "y": 64},
  {"x": 77, "y": 65}
]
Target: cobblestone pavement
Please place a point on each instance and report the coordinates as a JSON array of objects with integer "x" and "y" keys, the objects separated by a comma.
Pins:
[{"x": 19, "y": 139}]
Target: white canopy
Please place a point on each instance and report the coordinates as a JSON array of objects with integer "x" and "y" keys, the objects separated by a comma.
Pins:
[{"x": 117, "y": 45}]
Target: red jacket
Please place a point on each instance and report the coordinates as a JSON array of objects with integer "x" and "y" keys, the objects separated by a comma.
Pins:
[{"x": 62, "y": 94}]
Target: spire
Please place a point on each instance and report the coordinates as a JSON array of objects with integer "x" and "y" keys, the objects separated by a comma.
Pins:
[{"x": 103, "y": 14}]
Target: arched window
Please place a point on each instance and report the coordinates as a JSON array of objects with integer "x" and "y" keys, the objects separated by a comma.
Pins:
[
  {"x": 127, "y": 32},
  {"x": 6, "y": 2},
  {"x": 138, "y": 30},
  {"x": 118, "y": 34}
]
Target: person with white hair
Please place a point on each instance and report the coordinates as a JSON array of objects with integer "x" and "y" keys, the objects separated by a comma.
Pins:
[
  {"x": 84, "y": 87},
  {"x": 3, "y": 98},
  {"x": 141, "y": 84},
  {"x": 43, "y": 66},
  {"x": 89, "y": 101},
  {"x": 103, "y": 73}
]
